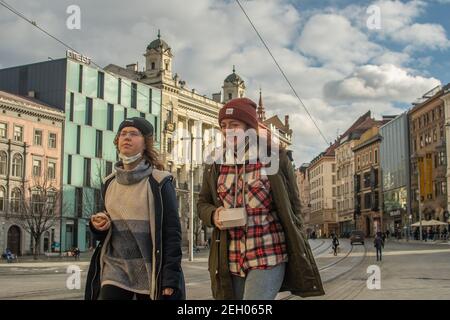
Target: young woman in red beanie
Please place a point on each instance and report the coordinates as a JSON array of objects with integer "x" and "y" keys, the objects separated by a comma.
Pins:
[{"x": 266, "y": 251}]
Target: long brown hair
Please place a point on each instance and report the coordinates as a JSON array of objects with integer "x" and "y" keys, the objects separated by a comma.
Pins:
[{"x": 150, "y": 153}]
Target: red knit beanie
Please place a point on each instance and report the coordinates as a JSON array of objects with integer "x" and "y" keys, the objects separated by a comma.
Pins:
[{"x": 242, "y": 109}]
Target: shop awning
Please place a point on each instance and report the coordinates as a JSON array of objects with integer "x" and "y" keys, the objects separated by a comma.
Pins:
[{"x": 429, "y": 223}]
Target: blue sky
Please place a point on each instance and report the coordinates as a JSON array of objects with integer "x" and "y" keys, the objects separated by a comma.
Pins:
[{"x": 340, "y": 68}]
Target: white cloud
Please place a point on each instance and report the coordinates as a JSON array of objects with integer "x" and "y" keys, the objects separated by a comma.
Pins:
[
  {"x": 422, "y": 37},
  {"x": 333, "y": 41},
  {"x": 396, "y": 58},
  {"x": 386, "y": 83}
]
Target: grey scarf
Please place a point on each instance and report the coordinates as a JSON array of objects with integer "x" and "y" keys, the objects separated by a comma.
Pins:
[{"x": 126, "y": 177}]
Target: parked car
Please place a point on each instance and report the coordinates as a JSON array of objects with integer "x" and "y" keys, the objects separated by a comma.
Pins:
[{"x": 357, "y": 237}]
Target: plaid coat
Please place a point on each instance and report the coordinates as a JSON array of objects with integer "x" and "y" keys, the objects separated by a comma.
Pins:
[
  {"x": 261, "y": 243},
  {"x": 302, "y": 276}
]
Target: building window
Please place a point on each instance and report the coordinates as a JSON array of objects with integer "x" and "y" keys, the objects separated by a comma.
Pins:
[
  {"x": 52, "y": 140},
  {"x": 51, "y": 170},
  {"x": 334, "y": 179},
  {"x": 17, "y": 166},
  {"x": 333, "y": 168},
  {"x": 367, "y": 201},
  {"x": 78, "y": 139},
  {"x": 119, "y": 91},
  {"x": 2, "y": 199},
  {"x": 3, "y": 163},
  {"x": 18, "y": 134},
  {"x": 88, "y": 114},
  {"x": 367, "y": 180},
  {"x": 98, "y": 144},
  {"x": 230, "y": 96},
  {"x": 441, "y": 132},
  {"x": 71, "y": 107},
  {"x": 37, "y": 166},
  {"x": 153, "y": 66},
  {"x": 125, "y": 113},
  {"x": 133, "y": 95},
  {"x": 376, "y": 156},
  {"x": 442, "y": 158},
  {"x": 16, "y": 197},
  {"x": 169, "y": 145},
  {"x": 3, "y": 130},
  {"x": 80, "y": 79},
  {"x": 69, "y": 169},
  {"x": 142, "y": 115},
  {"x": 79, "y": 202},
  {"x": 37, "y": 138},
  {"x": 150, "y": 100},
  {"x": 97, "y": 200},
  {"x": 110, "y": 117},
  {"x": 421, "y": 141},
  {"x": 109, "y": 166},
  {"x": 100, "y": 84},
  {"x": 87, "y": 172}
]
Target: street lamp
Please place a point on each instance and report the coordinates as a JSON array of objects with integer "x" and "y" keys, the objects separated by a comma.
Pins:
[
  {"x": 191, "y": 137},
  {"x": 409, "y": 226},
  {"x": 416, "y": 158}
]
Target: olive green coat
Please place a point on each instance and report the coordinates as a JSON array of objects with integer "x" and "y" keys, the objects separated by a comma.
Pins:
[{"x": 302, "y": 276}]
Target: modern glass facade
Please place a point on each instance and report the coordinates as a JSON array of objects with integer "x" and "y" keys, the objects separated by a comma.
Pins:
[
  {"x": 395, "y": 173},
  {"x": 95, "y": 103}
]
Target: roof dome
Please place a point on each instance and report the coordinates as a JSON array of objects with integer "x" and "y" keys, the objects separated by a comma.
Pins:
[
  {"x": 234, "y": 77},
  {"x": 156, "y": 44}
]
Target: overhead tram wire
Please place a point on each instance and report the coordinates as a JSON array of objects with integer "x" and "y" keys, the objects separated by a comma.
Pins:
[{"x": 282, "y": 72}]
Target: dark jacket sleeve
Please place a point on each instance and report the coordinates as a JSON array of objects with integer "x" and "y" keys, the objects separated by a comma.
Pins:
[
  {"x": 292, "y": 187},
  {"x": 205, "y": 203},
  {"x": 100, "y": 235},
  {"x": 172, "y": 275}
]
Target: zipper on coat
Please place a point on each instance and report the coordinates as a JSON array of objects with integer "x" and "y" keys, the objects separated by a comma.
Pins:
[{"x": 95, "y": 271}]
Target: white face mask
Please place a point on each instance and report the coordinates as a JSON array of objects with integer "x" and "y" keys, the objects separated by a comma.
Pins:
[{"x": 128, "y": 160}]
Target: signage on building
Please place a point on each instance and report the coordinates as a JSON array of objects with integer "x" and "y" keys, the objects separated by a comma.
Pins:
[
  {"x": 395, "y": 213},
  {"x": 78, "y": 57}
]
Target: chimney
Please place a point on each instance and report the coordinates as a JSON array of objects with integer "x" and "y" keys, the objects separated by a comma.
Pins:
[
  {"x": 32, "y": 94},
  {"x": 194, "y": 91},
  {"x": 286, "y": 121},
  {"x": 132, "y": 67},
  {"x": 217, "y": 97}
]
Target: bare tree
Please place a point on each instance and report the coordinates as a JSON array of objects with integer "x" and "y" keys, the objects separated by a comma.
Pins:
[{"x": 38, "y": 209}]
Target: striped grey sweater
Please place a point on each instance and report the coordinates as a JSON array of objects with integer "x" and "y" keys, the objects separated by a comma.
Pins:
[{"x": 128, "y": 254}]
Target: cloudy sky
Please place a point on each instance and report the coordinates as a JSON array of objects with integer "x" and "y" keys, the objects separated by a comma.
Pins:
[{"x": 340, "y": 61}]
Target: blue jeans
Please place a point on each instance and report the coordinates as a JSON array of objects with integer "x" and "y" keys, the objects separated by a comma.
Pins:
[{"x": 259, "y": 284}]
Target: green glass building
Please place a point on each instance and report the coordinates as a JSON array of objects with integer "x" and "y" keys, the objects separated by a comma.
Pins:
[{"x": 95, "y": 102}]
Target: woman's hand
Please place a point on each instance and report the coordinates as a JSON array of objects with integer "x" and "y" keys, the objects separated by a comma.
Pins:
[
  {"x": 216, "y": 218},
  {"x": 167, "y": 291},
  {"x": 101, "y": 221}
]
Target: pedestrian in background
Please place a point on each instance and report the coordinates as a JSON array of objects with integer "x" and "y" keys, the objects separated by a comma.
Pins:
[
  {"x": 335, "y": 245},
  {"x": 378, "y": 243}
]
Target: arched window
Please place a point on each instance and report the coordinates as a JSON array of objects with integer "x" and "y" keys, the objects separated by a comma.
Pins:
[
  {"x": 16, "y": 196},
  {"x": 17, "y": 166},
  {"x": 3, "y": 162},
  {"x": 2, "y": 199}
]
